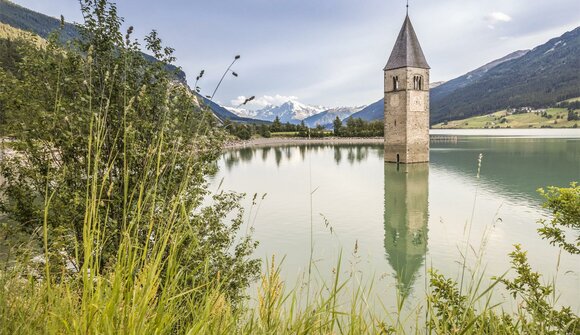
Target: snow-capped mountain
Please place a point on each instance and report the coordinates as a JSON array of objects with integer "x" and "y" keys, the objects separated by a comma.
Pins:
[
  {"x": 328, "y": 116},
  {"x": 242, "y": 112},
  {"x": 290, "y": 111}
]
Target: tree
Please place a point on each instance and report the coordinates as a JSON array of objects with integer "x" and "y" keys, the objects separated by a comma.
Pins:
[
  {"x": 564, "y": 204},
  {"x": 318, "y": 131},
  {"x": 276, "y": 125},
  {"x": 264, "y": 131},
  {"x": 302, "y": 129},
  {"x": 337, "y": 125}
]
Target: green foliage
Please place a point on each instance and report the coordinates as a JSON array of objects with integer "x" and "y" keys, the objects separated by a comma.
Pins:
[
  {"x": 153, "y": 140},
  {"x": 247, "y": 131},
  {"x": 564, "y": 205},
  {"x": 570, "y": 105},
  {"x": 9, "y": 54},
  {"x": 448, "y": 304},
  {"x": 543, "y": 317},
  {"x": 454, "y": 313},
  {"x": 276, "y": 125},
  {"x": 318, "y": 132},
  {"x": 337, "y": 126},
  {"x": 359, "y": 128},
  {"x": 303, "y": 131}
]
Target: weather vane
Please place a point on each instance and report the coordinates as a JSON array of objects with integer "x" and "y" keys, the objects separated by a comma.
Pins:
[{"x": 407, "y": 7}]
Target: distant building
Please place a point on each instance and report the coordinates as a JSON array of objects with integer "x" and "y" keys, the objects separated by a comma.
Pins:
[{"x": 407, "y": 100}]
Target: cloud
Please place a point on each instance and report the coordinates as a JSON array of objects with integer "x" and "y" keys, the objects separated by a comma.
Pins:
[
  {"x": 263, "y": 101},
  {"x": 496, "y": 17}
]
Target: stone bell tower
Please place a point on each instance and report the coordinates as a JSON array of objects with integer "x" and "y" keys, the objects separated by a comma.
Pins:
[{"x": 407, "y": 100}]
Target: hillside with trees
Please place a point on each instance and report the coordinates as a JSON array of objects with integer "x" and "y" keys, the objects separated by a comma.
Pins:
[
  {"x": 541, "y": 78},
  {"x": 43, "y": 25}
]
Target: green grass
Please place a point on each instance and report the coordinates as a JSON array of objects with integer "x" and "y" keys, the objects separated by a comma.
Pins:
[
  {"x": 285, "y": 134},
  {"x": 558, "y": 119},
  {"x": 572, "y": 100}
]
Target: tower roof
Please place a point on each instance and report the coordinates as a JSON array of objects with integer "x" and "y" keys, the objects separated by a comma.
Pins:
[{"x": 407, "y": 51}]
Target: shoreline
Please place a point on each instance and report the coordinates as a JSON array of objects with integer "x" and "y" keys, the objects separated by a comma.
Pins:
[
  {"x": 281, "y": 141},
  {"x": 439, "y": 135}
]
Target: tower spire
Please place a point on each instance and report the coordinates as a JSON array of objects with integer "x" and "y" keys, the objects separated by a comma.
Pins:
[
  {"x": 407, "y": 7},
  {"x": 407, "y": 50}
]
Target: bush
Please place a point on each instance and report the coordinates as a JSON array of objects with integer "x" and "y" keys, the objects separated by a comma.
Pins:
[
  {"x": 94, "y": 112},
  {"x": 564, "y": 204}
]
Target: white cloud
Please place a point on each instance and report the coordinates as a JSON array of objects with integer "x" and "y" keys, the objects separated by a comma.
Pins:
[
  {"x": 263, "y": 101},
  {"x": 496, "y": 17}
]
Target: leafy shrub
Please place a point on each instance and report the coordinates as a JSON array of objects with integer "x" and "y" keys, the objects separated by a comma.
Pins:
[{"x": 95, "y": 111}]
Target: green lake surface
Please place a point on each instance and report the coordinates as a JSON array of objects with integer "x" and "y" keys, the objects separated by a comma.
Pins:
[{"x": 407, "y": 219}]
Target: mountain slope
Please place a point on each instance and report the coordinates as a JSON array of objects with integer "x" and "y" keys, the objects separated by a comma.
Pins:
[
  {"x": 223, "y": 113},
  {"x": 374, "y": 111},
  {"x": 42, "y": 25},
  {"x": 328, "y": 116},
  {"x": 449, "y": 87},
  {"x": 540, "y": 78}
]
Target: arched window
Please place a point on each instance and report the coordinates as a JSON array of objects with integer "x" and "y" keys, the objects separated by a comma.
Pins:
[
  {"x": 418, "y": 82},
  {"x": 395, "y": 83}
]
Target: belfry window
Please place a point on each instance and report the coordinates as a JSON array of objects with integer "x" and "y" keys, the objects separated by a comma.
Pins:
[
  {"x": 418, "y": 82},
  {"x": 395, "y": 83}
]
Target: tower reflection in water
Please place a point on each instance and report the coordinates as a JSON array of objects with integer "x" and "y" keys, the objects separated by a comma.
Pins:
[{"x": 406, "y": 218}]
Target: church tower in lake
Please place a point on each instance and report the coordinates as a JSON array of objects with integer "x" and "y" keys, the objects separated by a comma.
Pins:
[{"x": 407, "y": 100}]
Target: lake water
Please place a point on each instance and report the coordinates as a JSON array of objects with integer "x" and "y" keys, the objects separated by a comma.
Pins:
[{"x": 407, "y": 219}]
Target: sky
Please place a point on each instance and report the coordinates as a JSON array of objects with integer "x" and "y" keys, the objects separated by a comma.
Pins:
[{"x": 329, "y": 52}]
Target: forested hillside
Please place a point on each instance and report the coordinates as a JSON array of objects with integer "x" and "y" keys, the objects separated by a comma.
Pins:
[
  {"x": 42, "y": 25},
  {"x": 541, "y": 78}
]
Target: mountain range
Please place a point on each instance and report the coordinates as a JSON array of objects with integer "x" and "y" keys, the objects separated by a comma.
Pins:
[
  {"x": 536, "y": 78},
  {"x": 327, "y": 117},
  {"x": 291, "y": 111},
  {"x": 295, "y": 112}
]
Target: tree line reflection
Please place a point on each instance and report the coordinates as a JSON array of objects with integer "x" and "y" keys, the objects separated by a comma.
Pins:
[{"x": 349, "y": 153}]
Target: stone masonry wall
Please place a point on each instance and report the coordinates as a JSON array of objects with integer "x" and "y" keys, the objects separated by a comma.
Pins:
[{"x": 406, "y": 117}]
